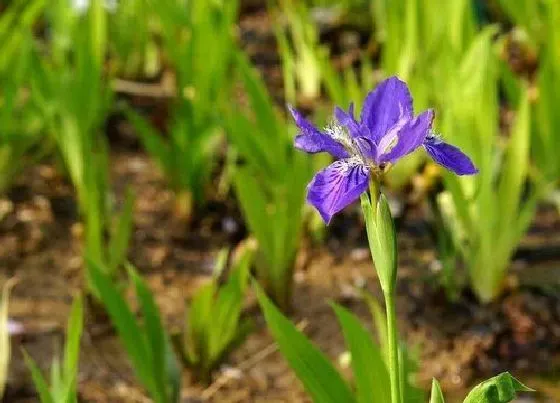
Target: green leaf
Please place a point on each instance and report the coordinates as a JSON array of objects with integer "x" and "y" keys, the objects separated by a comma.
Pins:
[
  {"x": 258, "y": 96},
  {"x": 320, "y": 379},
  {"x": 155, "y": 334},
  {"x": 38, "y": 380},
  {"x": 129, "y": 331},
  {"x": 151, "y": 139},
  {"x": 436, "y": 395},
  {"x": 227, "y": 308},
  {"x": 253, "y": 202},
  {"x": 120, "y": 238},
  {"x": 516, "y": 164},
  {"x": 198, "y": 321},
  {"x": 379, "y": 321},
  {"x": 157, "y": 340},
  {"x": 72, "y": 349},
  {"x": 370, "y": 373},
  {"x": 502, "y": 388}
]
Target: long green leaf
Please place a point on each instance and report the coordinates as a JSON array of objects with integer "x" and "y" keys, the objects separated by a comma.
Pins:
[
  {"x": 321, "y": 380},
  {"x": 157, "y": 340},
  {"x": 130, "y": 333},
  {"x": 151, "y": 139},
  {"x": 72, "y": 349},
  {"x": 121, "y": 236},
  {"x": 254, "y": 205},
  {"x": 38, "y": 380},
  {"x": 370, "y": 373}
]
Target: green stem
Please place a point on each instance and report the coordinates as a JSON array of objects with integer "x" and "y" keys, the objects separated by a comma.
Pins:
[
  {"x": 393, "y": 344},
  {"x": 374, "y": 193}
]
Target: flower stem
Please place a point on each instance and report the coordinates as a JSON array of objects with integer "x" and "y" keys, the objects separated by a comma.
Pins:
[
  {"x": 374, "y": 193},
  {"x": 393, "y": 345}
]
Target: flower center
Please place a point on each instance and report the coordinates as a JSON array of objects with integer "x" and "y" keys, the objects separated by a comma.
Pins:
[{"x": 355, "y": 147}]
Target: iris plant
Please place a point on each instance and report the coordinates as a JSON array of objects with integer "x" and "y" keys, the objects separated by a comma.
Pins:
[
  {"x": 365, "y": 150},
  {"x": 387, "y": 131}
]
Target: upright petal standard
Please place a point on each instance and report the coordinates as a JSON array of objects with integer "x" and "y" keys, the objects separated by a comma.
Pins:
[{"x": 386, "y": 132}]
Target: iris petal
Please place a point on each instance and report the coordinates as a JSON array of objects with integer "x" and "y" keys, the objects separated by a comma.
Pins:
[
  {"x": 312, "y": 140},
  {"x": 449, "y": 156},
  {"x": 405, "y": 138},
  {"x": 347, "y": 120},
  {"x": 336, "y": 186},
  {"x": 385, "y": 106}
]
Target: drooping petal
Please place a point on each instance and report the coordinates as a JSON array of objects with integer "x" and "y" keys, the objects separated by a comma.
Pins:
[
  {"x": 385, "y": 106},
  {"x": 336, "y": 186},
  {"x": 405, "y": 137},
  {"x": 449, "y": 156},
  {"x": 312, "y": 140}
]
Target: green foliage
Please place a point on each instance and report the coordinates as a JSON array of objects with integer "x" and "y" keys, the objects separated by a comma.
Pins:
[
  {"x": 436, "y": 395},
  {"x": 300, "y": 50},
  {"x": 213, "y": 323},
  {"x": 546, "y": 122},
  {"x": 530, "y": 16},
  {"x": 20, "y": 121},
  {"x": 63, "y": 376},
  {"x": 319, "y": 377},
  {"x": 488, "y": 213},
  {"x": 270, "y": 184},
  {"x": 408, "y": 360},
  {"x": 106, "y": 241},
  {"x": 198, "y": 42},
  {"x": 71, "y": 71},
  {"x": 134, "y": 53},
  {"x": 502, "y": 388},
  {"x": 146, "y": 342},
  {"x": 423, "y": 49},
  {"x": 348, "y": 86},
  {"x": 368, "y": 365}
]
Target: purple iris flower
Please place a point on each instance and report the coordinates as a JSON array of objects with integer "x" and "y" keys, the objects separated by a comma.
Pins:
[{"x": 386, "y": 132}]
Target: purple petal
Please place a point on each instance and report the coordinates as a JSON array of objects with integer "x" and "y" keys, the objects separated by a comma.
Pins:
[
  {"x": 347, "y": 120},
  {"x": 366, "y": 146},
  {"x": 336, "y": 186},
  {"x": 405, "y": 137},
  {"x": 385, "y": 106},
  {"x": 312, "y": 140},
  {"x": 449, "y": 156}
]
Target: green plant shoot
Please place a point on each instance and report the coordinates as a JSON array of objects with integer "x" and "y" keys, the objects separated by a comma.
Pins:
[
  {"x": 487, "y": 214},
  {"x": 198, "y": 41},
  {"x": 64, "y": 375},
  {"x": 147, "y": 343},
  {"x": 20, "y": 119},
  {"x": 213, "y": 322},
  {"x": 270, "y": 185}
]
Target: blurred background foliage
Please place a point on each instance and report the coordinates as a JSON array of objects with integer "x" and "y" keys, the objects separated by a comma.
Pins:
[{"x": 490, "y": 69}]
